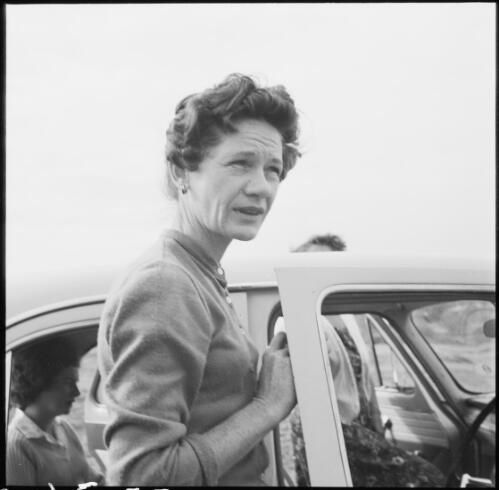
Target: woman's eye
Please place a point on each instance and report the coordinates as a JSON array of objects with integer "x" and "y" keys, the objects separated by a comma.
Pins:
[
  {"x": 239, "y": 163},
  {"x": 276, "y": 170}
]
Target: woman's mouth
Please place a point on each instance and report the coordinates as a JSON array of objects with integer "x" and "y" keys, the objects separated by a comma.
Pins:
[{"x": 251, "y": 210}]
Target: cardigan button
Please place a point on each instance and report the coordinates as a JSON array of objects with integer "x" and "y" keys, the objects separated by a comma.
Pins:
[
  {"x": 220, "y": 271},
  {"x": 229, "y": 300}
]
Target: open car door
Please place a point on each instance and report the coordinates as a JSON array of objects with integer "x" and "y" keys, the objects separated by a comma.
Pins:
[{"x": 414, "y": 320}]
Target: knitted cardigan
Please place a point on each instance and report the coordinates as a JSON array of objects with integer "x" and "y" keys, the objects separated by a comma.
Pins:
[{"x": 175, "y": 362}]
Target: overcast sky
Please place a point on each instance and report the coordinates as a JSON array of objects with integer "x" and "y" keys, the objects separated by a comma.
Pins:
[{"x": 397, "y": 104}]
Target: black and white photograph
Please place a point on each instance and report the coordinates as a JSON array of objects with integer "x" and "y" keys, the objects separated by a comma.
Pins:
[{"x": 250, "y": 244}]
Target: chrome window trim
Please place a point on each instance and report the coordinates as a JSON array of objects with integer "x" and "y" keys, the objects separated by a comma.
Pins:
[
  {"x": 397, "y": 287},
  {"x": 247, "y": 287}
]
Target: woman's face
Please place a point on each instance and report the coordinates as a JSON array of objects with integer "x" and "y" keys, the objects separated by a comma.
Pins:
[
  {"x": 60, "y": 395},
  {"x": 234, "y": 187}
]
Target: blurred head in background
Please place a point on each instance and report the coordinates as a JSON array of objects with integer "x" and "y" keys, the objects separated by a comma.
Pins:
[{"x": 322, "y": 243}]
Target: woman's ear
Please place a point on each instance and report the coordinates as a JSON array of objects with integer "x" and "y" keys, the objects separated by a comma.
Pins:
[{"x": 179, "y": 176}]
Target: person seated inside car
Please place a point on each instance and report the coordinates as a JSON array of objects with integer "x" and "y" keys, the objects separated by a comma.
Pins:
[
  {"x": 373, "y": 460},
  {"x": 42, "y": 447}
]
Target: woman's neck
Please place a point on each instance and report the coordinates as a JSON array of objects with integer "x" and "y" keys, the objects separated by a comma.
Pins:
[
  {"x": 214, "y": 244},
  {"x": 39, "y": 417}
]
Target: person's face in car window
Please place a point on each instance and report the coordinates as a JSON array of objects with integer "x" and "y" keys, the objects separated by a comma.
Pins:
[{"x": 58, "y": 398}]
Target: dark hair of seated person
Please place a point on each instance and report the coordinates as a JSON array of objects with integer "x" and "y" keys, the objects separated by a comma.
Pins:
[{"x": 35, "y": 367}]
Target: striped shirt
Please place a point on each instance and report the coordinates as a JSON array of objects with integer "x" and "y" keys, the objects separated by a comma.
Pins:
[{"x": 36, "y": 457}]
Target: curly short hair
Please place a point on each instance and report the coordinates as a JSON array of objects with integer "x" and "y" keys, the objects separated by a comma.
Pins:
[
  {"x": 333, "y": 242},
  {"x": 35, "y": 367},
  {"x": 201, "y": 118}
]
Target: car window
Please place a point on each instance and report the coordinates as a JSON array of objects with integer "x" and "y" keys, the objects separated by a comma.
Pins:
[
  {"x": 396, "y": 416},
  {"x": 385, "y": 367},
  {"x": 88, "y": 366},
  {"x": 456, "y": 330}
]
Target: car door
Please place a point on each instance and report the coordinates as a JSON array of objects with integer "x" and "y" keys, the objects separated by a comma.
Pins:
[{"x": 419, "y": 400}]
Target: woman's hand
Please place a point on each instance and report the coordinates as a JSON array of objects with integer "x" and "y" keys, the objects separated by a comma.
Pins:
[
  {"x": 276, "y": 388},
  {"x": 275, "y": 396}
]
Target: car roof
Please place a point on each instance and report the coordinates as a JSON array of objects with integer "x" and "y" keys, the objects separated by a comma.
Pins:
[
  {"x": 482, "y": 266},
  {"x": 26, "y": 292},
  {"x": 32, "y": 291}
]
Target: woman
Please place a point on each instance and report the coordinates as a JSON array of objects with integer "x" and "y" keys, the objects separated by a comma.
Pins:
[
  {"x": 42, "y": 447},
  {"x": 186, "y": 404}
]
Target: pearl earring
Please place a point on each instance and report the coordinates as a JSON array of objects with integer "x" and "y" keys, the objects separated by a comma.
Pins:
[{"x": 183, "y": 188}]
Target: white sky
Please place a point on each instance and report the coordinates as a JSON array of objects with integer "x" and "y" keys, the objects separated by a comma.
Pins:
[{"x": 398, "y": 124}]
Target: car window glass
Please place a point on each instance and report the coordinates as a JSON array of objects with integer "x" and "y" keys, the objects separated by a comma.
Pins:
[
  {"x": 386, "y": 370},
  {"x": 88, "y": 367},
  {"x": 395, "y": 429},
  {"x": 457, "y": 331}
]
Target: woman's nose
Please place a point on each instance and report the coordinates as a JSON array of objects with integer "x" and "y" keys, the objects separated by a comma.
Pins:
[
  {"x": 76, "y": 392},
  {"x": 258, "y": 184}
]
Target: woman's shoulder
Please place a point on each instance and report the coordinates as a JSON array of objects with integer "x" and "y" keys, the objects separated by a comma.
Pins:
[
  {"x": 15, "y": 436},
  {"x": 156, "y": 269},
  {"x": 17, "y": 440},
  {"x": 152, "y": 281},
  {"x": 155, "y": 287}
]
